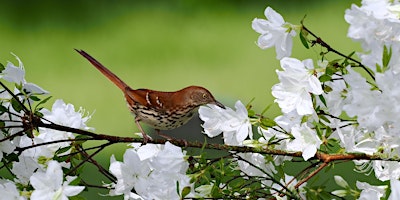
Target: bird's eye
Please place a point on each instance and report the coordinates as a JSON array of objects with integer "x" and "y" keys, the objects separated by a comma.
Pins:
[{"x": 204, "y": 95}]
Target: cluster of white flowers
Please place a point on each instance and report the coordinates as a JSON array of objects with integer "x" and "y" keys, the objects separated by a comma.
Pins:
[
  {"x": 35, "y": 167},
  {"x": 374, "y": 105},
  {"x": 361, "y": 114},
  {"x": 153, "y": 171}
]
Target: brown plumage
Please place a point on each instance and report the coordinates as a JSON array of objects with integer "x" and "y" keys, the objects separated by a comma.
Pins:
[{"x": 160, "y": 110}]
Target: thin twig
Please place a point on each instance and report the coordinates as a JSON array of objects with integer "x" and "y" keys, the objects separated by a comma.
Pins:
[{"x": 321, "y": 42}]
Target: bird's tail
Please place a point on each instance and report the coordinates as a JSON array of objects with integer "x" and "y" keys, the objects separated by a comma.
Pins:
[{"x": 114, "y": 78}]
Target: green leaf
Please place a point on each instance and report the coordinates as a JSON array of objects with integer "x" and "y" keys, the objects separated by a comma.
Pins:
[
  {"x": 318, "y": 130},
  {"x": 12, "y": 157},
  {"x": 346, "y": 62},
  {"x": 378, "y": 68},
  {"x": 62, "y": 150},
  {"x": 328, "y": 132},
  {"x": 79, "y": 140},
  {"x": 251, "y": 113},
  {"x": 2, "y": 67},
  {"x": 321, "y": 97},
  {"x": 330, "y": 70},
  {"x": 266, "y": 109},
  {"x": 327, "y": 89},
  {"x": 3, "y": 109},
  {"x": 267, "y": 123},
  {"x": 185, "y": 192},
  {"x": 303, "y": 38},
  {"x": 34, "y": 98},
  {"x": 43, "y": 102},
  {"x": 16, "y": 105},
  {"x": 325, "y": 78},
  {"x": 387, "y": 54}
]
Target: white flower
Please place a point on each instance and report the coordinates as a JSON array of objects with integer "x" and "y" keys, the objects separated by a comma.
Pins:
[
  {"x": 170, "y": 159},
  {"x": 355, "y": 140},
  {"x": 235, "y": 125},
  {"x": 376, "y": 24},
  {"x": 9, "y": 191},
  {"x": 16, "y": 75},
  {"x": 395, "y": 189},
  {"x": 264, "y": 168},
  {"x": 373, "y": 23},
  {"x": 369, "y": 192},
  {"x": 153, "y": 171},
  {"x": 296, "y": 84},
  {"x": 128, "y": 173},
  {"x": 274, "y": 32},
  {"x": 24, "y": 168},
  {"x": 374, "y": 108},
  {"x": 386, "y": 170},
  {"x": 335, "y": 99},
  {"x": 362, "y": 101},
  {"x": 63, "y": 114},
  {"x": 6, "y": 146},
  {"x": 50, "y": 185},
  {"x": 289, "y": 182},
  {"x": 305, "y": 140}
]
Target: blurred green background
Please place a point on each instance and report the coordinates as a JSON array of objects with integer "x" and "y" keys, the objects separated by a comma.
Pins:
[{"x": 161, "y": 45}]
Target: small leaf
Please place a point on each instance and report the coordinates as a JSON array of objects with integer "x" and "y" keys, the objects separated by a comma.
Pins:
[
  {"x": 330, "y": 70},
  {"x": 345, "y": 62},
  {"x": 321, "y": 97},
  {"x": 325, "y": 78},
  {"x": 16, "y": 105},
  {"x": 34, "y": 98},
  {"x": 327, "y": 89},
  {"x": 3, "y": 109},
  {"x": 303, "y": 38},
  {"x": 387, "y": 54},
  {"x": 2, "y": 67},
  {"x": 185, "y": 192},
  {"x": 378, "y": 68},
  {"x": 267, "y": 123},
  {"x": 251, "y": 113},
  {"x": 62, "y": 150},
  {"x": 42, "y": 102},
  {"x": 266, "y": 109},
  {"x": 328, "y": 132}
]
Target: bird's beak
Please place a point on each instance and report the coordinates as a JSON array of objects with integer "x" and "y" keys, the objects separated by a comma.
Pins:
[{"x": 219, "y": 104}]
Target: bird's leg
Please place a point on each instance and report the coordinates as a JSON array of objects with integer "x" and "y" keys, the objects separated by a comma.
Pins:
[
  {"x": 169, "y": 138},
  {"x": 145, "y": 137},
  {"x": 163, "y": 135}
]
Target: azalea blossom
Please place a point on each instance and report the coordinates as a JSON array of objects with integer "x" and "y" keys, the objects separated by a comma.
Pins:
[
  {"x": 305, "y": 140},
  {"x": 376, "y": 24},
  {"x": 235, "y": 125},
  {"x": 296, "y": 83},
  {"x": 395, "y": 189},
  {"x": 128, "y": 174},
  {"x": 8, "y": 190},
  {"x": 62, "y": 114},
  {"x": 152, "y": 171},
  {"x": 264, "y": 169},
  {"x": 6, "y": 146},
  {"x": 369, "y": 192},
  {"x": 289, "y": 182},
  {"x": 274, "y": 32},
  {"x": 50, "y": 185},
  {"x": 16, "y": 75}
]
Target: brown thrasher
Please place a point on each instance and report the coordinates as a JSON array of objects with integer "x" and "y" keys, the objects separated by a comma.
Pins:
[{"x": 160, "y": 110}]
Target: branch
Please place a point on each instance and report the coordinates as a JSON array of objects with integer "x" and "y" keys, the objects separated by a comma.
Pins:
[{"x": 321, "y": 42}]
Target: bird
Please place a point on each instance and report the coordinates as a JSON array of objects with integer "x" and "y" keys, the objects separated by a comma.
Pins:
[{"x": 157, "y": 109}]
